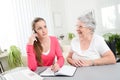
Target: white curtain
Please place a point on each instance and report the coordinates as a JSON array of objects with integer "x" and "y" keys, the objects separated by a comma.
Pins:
[{"x": 17, "y": 15}]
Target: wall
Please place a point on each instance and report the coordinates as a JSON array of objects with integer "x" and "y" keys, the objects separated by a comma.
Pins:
[
  {"x": 72, "y": 9},
  {"x": 17, "y": 15},
  {"x": 59, "y": 17}
]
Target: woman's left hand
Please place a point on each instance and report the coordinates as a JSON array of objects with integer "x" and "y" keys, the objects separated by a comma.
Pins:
[
  {"x": 86, "y": 62},
  {"x": 55, "y": 67}
]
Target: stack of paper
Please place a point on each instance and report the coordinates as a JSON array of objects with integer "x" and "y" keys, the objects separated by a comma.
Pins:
[{"x": 25, "y": 74}]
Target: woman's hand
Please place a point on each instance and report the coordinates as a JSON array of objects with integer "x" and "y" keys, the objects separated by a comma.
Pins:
[
  {"x": 55, "y": 67},
  {"x": 76, "y": 63},
  {"x": 81, "y": 63},
  {"x": 86, "y": 62},
  {"x": 32, "y": 38}
]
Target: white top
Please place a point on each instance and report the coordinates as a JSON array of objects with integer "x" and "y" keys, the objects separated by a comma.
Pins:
[
  {"x": 97, "y": 48},
  {"x": 46, "y": 53}
]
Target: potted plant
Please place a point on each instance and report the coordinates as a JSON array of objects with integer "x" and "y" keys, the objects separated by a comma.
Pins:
[
  {"x": 14, "y": 57},
  {"x": 109, "y": 37},
  {"x": 71, "y": 36}
]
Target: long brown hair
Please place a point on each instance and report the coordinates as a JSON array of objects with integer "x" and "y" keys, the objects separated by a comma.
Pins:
[{"x": 37, "y": 44}]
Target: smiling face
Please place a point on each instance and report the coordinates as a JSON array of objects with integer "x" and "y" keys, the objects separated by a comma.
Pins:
[
  {"x": 82, "y": 30},
  {"x": 41, "y": 29}
]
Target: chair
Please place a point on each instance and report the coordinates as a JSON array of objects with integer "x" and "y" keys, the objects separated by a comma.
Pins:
[
  {"x": 1, "y": 67},
  {"x": 112, "y": 46}
]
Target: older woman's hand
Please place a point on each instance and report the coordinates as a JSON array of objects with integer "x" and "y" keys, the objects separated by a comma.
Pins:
[
  {"x": 81, "y": 63},
  {"x": 86, "y": 62},
  {"x": 76, "y": 63}
]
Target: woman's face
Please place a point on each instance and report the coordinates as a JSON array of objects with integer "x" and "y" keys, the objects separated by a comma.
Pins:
[
  {"x": 41, "y": 29},
  {"x": 82, "y": 30}
]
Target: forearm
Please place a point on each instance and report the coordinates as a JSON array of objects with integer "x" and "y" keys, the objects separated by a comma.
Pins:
[
  {"x": 60, "y": 61},
  {"x": 104, "y": 60},
  {"x": 69, "y": 60},
  {"x": 60, "y": 58},
  {"x": 32, "y": 64}
]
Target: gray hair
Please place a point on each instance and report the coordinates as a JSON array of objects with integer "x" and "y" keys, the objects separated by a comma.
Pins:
[{"x": 88, "y": 20}]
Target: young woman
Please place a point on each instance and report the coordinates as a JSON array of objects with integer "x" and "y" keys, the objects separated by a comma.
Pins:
[{"x": 42, "y": 49}]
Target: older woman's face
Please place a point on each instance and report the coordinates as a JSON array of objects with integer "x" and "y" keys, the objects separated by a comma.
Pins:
[
  {"x": 81, "y": 28},
  {"x": 41, "y": 29}
]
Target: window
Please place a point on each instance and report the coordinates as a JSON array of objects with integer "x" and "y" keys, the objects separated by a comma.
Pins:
[{"x": 108, "y": 17}]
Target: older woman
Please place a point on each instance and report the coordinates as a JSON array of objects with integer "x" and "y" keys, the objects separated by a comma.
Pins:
[{"x": 89, "y": 49}]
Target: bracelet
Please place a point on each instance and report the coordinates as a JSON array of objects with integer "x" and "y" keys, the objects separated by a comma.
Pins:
[{"x": 92, "y": 62}]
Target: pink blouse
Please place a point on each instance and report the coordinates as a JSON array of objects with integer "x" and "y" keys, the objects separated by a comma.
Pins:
[{"x": 48, "y": 59}]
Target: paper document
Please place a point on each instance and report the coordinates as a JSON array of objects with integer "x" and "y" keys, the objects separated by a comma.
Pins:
[
  {"x": 66, "y": 70},
  {"x": 25, "y": 74}
]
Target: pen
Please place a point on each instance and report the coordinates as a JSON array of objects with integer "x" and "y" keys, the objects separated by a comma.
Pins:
[{"x": 55, "y": 67}]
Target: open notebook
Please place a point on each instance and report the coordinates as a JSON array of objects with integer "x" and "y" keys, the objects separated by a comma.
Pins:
[
  {"x": 66, "y": 70},
  {"x": 25, "y": 74}
]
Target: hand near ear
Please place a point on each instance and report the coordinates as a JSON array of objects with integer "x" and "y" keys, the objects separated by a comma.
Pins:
[{"x": 32, "y": 38}]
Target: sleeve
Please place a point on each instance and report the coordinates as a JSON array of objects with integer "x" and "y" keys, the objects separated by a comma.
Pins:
[
  {"x": 58, "y": 51},
  {"x": 101, "y": 45},
  {"x": 72, "y": 45},
  {"x": 32, "y": 63}
]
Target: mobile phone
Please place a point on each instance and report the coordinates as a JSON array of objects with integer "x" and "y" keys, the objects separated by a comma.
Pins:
[{"x": 34, "y": 32}]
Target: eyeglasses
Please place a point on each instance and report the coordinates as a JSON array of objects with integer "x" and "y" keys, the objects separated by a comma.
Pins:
[{"x": 80, "y": 26}]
